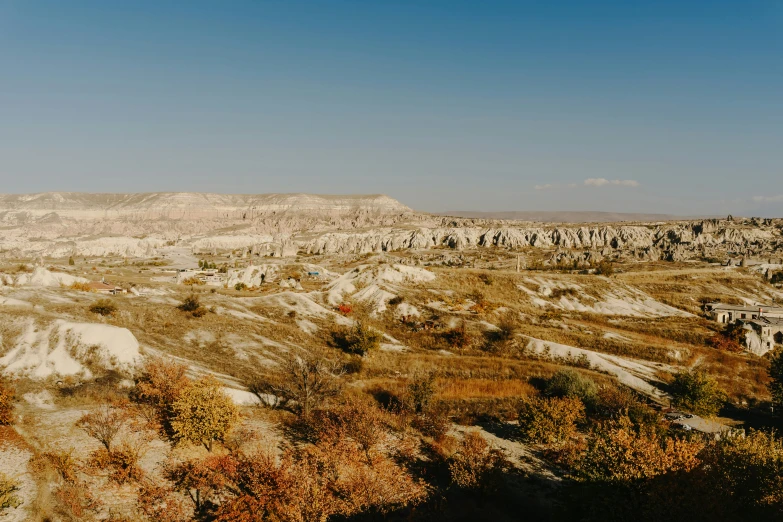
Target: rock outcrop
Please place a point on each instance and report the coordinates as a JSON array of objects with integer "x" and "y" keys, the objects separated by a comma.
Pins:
[{"x": 281, "y": 225}]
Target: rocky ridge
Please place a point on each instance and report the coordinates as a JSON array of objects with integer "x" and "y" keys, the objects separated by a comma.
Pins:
[{"x": 142, "y": 225}]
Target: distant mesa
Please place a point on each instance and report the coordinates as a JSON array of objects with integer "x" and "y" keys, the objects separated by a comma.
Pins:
[{"x": 188, "y": 205}]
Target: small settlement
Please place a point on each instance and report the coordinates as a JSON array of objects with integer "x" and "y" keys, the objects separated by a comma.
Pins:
[{"x": 764, "y": 323}]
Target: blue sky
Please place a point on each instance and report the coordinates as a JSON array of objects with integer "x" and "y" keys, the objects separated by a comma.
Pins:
[{"x": 673, "y": 107}]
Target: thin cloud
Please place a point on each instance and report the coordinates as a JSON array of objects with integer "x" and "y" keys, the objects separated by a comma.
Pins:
[
  {"x": 550, "y": 186},
  {"x": 602, "y": 182},
  {"x": 590, "y": 182},
  {"x": 769, "y": 199}
]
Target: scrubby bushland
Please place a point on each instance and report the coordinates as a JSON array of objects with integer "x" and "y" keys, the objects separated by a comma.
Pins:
[
  {"x": 623, "y": 473},
  {"x": 159, "y": 503},
  {"x": 122, "y": 462},
  {"x": 619, "y": 451},
  {"x": 549, "y": 420},
  {"x": 695, "y": 391},
  {"x": 7, "y": 396},
  {"x": 103, "y": 307},
  {"x": 74, "y": 499},
  {"x": 347, "y": 472},
  {"x": 203, "y": 413},
  {"x": 302, "y": 382},
  {"x": 477, "y": 467}
]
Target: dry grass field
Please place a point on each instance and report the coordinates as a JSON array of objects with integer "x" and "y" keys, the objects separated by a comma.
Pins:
[{"x": 482, "y": 334}]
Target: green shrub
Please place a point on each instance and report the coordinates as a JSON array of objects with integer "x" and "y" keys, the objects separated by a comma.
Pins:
[
  {"x": 696, "y": 392},
  {"x": 190, "y": 304},
  {"x": 359, "y": 339},
  {"x": 420, "y": 393},
  {"x": 604, "y": 268},
  {"x": 570, "y": 383}
]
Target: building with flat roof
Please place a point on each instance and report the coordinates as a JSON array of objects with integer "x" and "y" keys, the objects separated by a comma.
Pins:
[
  {"x": 727, "y": 313},
  {"x": 763, "y": 324}
]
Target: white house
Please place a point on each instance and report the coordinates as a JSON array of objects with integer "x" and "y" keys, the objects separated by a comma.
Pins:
[
  {"x": 726, "y": 313},
  {"x": 764, "y": 324}
]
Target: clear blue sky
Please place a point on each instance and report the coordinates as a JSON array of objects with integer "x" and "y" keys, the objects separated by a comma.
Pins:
[{"x": 659, "y": 106}]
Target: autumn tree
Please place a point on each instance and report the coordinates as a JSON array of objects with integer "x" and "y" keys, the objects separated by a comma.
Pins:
[
  {"x": 549, "y": 420},
  {"x": 295, "y": 488},
  {"x": 695, "y": 391},
  {"x": 203, "y": 413},
  {"x": 158, "y": 503},
  {"x": 359, "y": 421},
  {"x": 377, "y": 488},
  {"x": 747, "y": 470},
  {"x": 730, "y": 339},
  {"x": 476, "y": 466},
  {"x": 157, "y": 389},
  {"x": 302, "y": 381},
  {"x": 775, "y": 377},
  {"x": 104, "y": 424},
  {"x": 202, "y": 480},
  {"x": 7, "y": 396}
]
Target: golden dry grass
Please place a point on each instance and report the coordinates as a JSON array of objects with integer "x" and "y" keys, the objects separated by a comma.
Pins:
[{"x": 483, "y": 388}]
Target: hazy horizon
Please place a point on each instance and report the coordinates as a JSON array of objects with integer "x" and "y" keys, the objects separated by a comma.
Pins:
[{"x": 670, "y": 108}]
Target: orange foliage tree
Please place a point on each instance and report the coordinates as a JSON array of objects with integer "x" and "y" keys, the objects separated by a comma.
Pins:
[
  {"x": 203, "y": 413},
  {"x": 619, "y": 452},
  {"x": 157, "y": 389},
  {"x": 549, "y": 420},
  {"x": 7, "y": 396}
]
